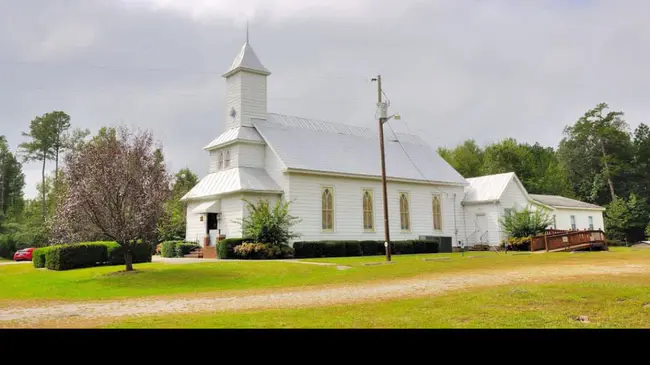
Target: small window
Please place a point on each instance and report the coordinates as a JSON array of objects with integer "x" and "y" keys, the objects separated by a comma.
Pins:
[
  {"x": 221, "y": 160},
  {"x": 573, "y": 222},
  {"x": 368, "y": 214},
  {"x": 554, "y": 222},
  {"x": 227, "y": 161},
  {"x": 437, "y": 212},
  {"x": 507, "y": 211},
  {"x": 404, "y": 218},
  {"x": 327, "y": 198},
  {"x": 591, "y": 223}
]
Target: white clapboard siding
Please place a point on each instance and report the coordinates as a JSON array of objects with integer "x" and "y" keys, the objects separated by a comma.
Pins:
[
  {"x": 306, "y": 200},
  {"x": 246, "y": 93},
  {"x": 196, "y": 229}
]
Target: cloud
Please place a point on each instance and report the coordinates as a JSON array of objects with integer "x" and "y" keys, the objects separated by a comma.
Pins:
[{"x": 453, "y": 69}]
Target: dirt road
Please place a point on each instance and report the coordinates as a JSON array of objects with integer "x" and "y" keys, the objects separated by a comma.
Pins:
[{"x": 292, "y": 297}]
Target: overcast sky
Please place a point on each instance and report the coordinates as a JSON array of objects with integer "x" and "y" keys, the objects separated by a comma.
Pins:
[{"x": 454, "y": 69}]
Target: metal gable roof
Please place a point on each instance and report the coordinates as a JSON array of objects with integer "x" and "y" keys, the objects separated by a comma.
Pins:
[
  {"x": 239, "y": 133},
  {"x": 557, "y": 201},
  {"x": 307, "y": 144},
  {"x": 487, "y": 188},
  {"x": 233, "y": 180}
]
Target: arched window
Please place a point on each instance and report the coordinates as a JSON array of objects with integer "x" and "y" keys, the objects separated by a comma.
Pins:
[
  {"x": 404, "y": 218},
  {"x": 227, "y": 162},
  {"x": 328, "y": 209},
  {"x": 368, "y": 216},
  {"x": 437, "y": 213},
  {"x": 221, "y": 160}
]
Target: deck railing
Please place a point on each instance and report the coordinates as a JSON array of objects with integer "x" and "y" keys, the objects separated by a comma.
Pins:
[{"x": 566, "y": 240}]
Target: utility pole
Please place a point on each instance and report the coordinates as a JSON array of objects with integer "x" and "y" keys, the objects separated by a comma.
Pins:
[{"x": 383, "y": 119}]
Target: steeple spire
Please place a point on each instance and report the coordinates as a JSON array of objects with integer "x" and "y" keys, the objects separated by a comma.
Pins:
[{"x": 247, "y": 60}]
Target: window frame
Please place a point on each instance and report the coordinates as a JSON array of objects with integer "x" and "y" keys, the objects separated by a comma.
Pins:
[
  {"x": 220, "y": 163},
  {"x": 573, "y": 221},
  {"x": 408, "y": 210},
  {"x": 372, "y": 209},
  {"x": 433, "y": 213},
  {"x": 322, "y": 209},
  {"x": 590, "y": 220},
  {"x": 226, "y": 162}
]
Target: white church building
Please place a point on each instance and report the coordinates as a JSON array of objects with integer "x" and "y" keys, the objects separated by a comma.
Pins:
[{"x": 331, "y": 174}]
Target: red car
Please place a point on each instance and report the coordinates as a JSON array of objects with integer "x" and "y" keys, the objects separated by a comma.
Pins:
[{"x": 24, "y": 254}]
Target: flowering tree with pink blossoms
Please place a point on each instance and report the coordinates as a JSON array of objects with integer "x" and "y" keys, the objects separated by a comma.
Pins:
[{"x": 117, "y": 185}]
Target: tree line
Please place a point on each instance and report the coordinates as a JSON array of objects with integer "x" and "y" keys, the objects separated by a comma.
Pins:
[
  {"x": 598, "y": 160},
  {"x": 50, "y": 138}
]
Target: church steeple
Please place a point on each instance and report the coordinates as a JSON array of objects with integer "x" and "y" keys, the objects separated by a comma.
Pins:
[
  {"x": 246, "y": 84},
  {"x": 247, "y": 60}
]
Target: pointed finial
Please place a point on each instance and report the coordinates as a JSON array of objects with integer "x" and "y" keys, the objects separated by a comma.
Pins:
[{"x": 246, "y": 30}]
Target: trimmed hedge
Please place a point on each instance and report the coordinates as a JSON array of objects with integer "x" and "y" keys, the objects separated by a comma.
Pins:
[
  {"x": 372, "y": 248},
  {"x": 115, "y": 253},
  {"x": 226, "y": 247},
  {"x": 168, "y": 248},
  {"x": 261, "y": 251},
  {"x": 306, "y": 249},
  {"x": 87, "y": 254},
  {"x": 38, "y": 256},
  {"x": 183, "y": 248},
  {"x": 66, "y": 257}
]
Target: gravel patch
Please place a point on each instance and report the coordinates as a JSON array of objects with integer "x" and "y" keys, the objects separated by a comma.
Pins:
[{"x": 287, "y": 298}]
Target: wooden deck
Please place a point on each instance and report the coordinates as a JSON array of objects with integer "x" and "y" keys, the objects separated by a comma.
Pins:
[{"x": 568, "y": 241}]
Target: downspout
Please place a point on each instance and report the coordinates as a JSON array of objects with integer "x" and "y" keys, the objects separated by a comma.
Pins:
[
  {"x": 498, "y": 221},
  {"x": 455, "y": 226},
  {"x": 464, "y": 222}
]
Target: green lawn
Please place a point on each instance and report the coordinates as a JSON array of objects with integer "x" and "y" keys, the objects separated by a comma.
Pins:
[
  {"x": 621, "y": 302},
  {"x": 19, "y": 283}
]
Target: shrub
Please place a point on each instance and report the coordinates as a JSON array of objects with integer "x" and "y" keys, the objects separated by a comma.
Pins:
[
  {"x": 269, "y": 225},
  {"x": 431, "y": 247},
  {"x": 225, "y": 248},
  {"x": 184, "y": 248},
  {"x": 419, "y": 246},
  {"x": 115, "y": 253},
  {"x": 526, "y": 222},
  {"x": 38, "y": 256},
  {"x": 402, "y": 247},
  {"x": 66, "y": 257},
  {"x": 7, "y": 246},
  {"x": 352, "y": 248},
  {"x": 517, "y": 243},
  {"x": 334, "y": 249},
  {"x": 372, "y": 248},
  {"x": 168, "y": 248},
  {"x": 261, "y": 251},
  {"x": 304, "y": 249}
]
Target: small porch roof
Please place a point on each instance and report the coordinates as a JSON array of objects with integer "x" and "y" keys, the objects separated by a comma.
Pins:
[{"x": 207, "y": 207}]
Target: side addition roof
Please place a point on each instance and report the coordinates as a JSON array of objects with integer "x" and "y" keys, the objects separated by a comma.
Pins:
[
  {"x": 317, "y": 146},
  {"x": 557, "y": 201},
  {"x": 487, "y": 188}
]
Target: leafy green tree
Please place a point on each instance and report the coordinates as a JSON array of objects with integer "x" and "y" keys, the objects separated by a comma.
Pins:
[
  {"x": 641, "y": 165},
  {"x": 12, "y": 183},
  {"x": 597, "y": 151},
  {"x": 40, "y": 148},
  {"x": 527, "y": 222},
  {"x": 173, "y": 222},
  {"x": 647, "y": 232},
  {"x": 264, "y": 224},
  {"x": 466, "y": 158},
  {"x": 626, "y": 219}
]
